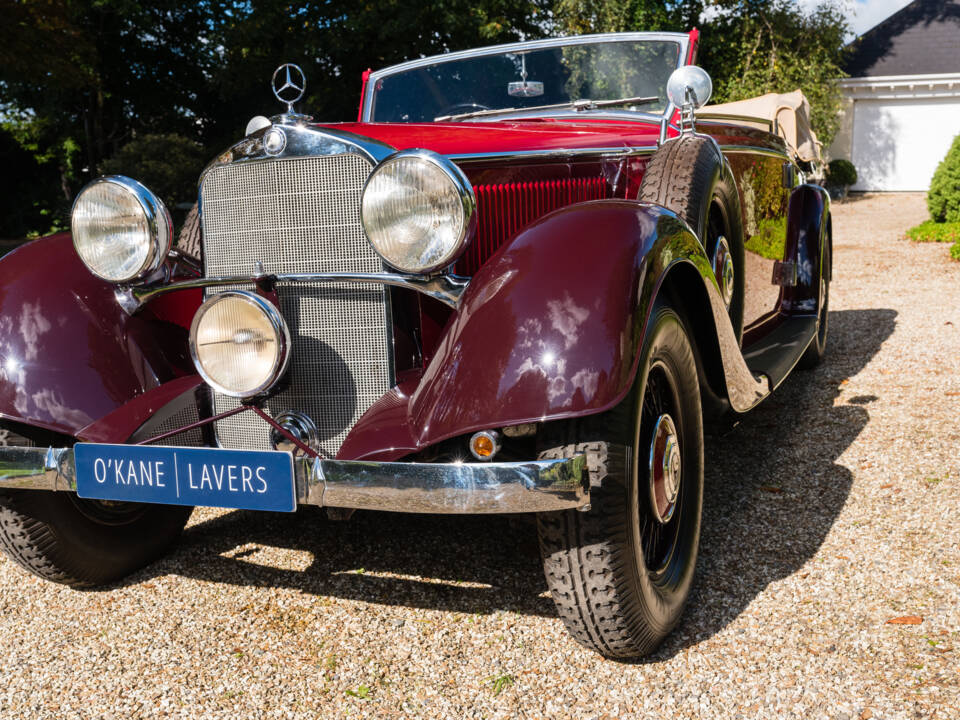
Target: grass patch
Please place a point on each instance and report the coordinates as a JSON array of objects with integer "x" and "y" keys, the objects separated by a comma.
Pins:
[
  {"x": 955, "y": 251},
  {"x": 361, "y": 693},
  {"x": 931, "y": 231},
  {"x": 500, "y": 682}
]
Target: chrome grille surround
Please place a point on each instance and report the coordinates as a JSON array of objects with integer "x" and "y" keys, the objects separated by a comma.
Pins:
[{"x": 302, "y": 215}]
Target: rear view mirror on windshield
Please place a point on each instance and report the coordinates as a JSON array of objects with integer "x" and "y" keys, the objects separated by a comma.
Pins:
[{"x": 525, "y": 88}]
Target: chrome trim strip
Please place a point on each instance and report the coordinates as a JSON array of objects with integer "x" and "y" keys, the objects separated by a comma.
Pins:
[
  {"x": 769, "y": 152},
  {"x": 555, "y": 153},
  {"x": 302, "y": 140},
  {"x": 467, "y": 488},
  {"x": 37, "y": 468},
  {"x": 680, "y": 38},
  {"x": 445, "y": 288},
  {"x": 736, "y": 118}
]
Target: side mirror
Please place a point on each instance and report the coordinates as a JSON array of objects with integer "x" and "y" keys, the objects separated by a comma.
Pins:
[{"x": 688, "y": 85}]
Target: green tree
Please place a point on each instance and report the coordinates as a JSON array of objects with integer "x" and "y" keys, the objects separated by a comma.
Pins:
[
  {"x": 81, "y": 79},
  {"x": 749, "y": 47},
  {"x": 752, "y": 47}
]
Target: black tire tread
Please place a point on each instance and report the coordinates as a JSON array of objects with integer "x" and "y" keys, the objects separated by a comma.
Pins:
[
  {"x": 33, "y": 545},
  {"x": 588, "y": 557},
  {"x": 45, "y": 534},
  {"x": 678, "y": 176},
  {"x": 585, "y": 562}
]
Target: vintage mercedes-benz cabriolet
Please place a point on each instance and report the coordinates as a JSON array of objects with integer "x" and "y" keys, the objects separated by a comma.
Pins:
[{"x": 524, "y": 281}]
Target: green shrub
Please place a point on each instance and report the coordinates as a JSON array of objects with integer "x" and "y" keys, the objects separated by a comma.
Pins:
[
  {"x": 841, "y": 173},
  {"x": 955, "y": 251},
  {"x": 943, "y": 199},
  {"x": 931, "y": 231}
]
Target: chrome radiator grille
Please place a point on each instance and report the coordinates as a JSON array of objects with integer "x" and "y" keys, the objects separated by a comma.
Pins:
[{"x": 302, "y": 215}]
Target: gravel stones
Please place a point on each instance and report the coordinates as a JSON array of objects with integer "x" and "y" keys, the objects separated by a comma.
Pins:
[{"x": 829, "y": 511}]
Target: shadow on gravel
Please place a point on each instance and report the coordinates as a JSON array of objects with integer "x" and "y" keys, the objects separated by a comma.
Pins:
[
  {"x": 773, "y": 486},
  {"x": 773, "y": 491}
]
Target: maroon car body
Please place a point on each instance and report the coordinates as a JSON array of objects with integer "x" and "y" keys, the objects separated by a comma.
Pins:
[{"x": 549, "y": 315}]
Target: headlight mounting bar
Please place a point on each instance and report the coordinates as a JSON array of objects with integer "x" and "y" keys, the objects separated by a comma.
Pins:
[{"x": 446, "y": 288}]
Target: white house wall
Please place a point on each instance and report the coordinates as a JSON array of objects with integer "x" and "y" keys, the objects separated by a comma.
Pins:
[{"x": 896, "y": 130}]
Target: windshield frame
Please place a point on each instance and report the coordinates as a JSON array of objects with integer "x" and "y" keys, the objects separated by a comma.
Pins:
[{"x": 683, "y": 39}]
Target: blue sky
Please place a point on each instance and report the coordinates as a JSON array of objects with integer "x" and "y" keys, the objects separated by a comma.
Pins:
[{"x": 864, "y": 14}]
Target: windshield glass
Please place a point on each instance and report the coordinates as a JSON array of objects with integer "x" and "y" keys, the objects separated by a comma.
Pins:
[{"x": 528, "y": 79}]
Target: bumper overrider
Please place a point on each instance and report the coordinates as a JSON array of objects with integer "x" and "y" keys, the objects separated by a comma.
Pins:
[{"x": 468, "y": 488}]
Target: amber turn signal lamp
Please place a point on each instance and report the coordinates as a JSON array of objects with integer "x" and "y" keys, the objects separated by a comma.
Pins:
[{"x": 485, "y": 444}]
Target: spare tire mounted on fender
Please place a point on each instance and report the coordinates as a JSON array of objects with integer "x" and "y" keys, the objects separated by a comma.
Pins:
[{"x": 688, "y": 176}]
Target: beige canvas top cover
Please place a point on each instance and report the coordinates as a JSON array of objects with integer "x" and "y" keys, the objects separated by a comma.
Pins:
[{"x": 790, "y": 112}]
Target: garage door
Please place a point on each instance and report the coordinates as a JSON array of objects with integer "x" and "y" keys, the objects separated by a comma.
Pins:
[{"x": 897, "y": 144}]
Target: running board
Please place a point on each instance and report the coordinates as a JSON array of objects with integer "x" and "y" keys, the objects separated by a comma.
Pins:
[{"x": 776, "y": 354}]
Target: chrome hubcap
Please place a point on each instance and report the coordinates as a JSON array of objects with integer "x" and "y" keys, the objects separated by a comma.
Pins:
[
  {"x": 665, "y": 469},
  {"x": 723, "y": 270}
]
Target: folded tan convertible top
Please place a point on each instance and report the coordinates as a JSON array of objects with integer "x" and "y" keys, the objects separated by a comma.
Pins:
[{"x": 790, "y": 113}]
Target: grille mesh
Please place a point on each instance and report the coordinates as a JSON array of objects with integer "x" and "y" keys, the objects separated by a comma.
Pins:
[{"x": 302, "y": 215}]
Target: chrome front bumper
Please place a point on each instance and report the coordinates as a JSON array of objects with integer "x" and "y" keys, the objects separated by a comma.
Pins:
[{"x": 468, "y": 488}]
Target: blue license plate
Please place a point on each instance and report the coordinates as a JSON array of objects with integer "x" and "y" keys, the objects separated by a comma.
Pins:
[{"x": 243, "y": 479}]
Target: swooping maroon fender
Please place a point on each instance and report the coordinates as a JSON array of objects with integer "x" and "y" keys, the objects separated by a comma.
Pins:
[
  {"x": 69, "y": 354},
  {"x": 550, "y": 327}
]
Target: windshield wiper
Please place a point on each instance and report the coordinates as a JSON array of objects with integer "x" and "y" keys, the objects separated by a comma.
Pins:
[{"x": 576, "y": 105}]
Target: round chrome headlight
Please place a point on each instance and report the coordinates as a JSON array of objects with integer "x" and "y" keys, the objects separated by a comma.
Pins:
[
  {"x": 239, "y": 343},
  {"x": 121, "y": 230},
  {"x": 418, "y": 211}
]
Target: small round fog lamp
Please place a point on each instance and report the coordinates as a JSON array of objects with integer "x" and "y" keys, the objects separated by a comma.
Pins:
[
  {"x": 239, "y": 343},
  {"x": 485, "y": 444}
]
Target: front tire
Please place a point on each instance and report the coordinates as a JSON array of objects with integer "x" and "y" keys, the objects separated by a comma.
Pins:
[
  {"x": 82, "y": 543},
  {"x": 620, "y": 573}
]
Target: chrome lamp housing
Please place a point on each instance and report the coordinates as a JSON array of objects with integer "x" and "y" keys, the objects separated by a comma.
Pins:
[
  {"x": 240, "y": 343},
  {"x": 418, "y": 211},
  {"x": 121, "y": 230}
]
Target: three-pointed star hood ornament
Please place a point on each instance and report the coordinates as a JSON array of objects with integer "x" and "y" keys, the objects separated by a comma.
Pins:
[{"x": 289, "y": 84}]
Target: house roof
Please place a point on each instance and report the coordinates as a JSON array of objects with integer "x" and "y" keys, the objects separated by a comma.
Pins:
[{"x": 922, "y": 38}]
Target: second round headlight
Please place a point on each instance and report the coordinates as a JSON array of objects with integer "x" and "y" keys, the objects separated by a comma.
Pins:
[
  {"x": 240, "y": 343},
  {"x": 121, "y": 230},
  {"x": 417, "y": 210}
]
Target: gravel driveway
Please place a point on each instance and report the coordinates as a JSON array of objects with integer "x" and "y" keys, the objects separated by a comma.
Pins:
[{"x": 829, "y": 511}]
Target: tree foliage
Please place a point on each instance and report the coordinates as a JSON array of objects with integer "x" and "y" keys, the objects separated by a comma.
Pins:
[
  {"x": 749, "y": 47},
  {"x": 753, "y": 47},
  {"x": 81, "y": 79},
  {"x": 166, "y": 163},
  {"x": 82, "y": 82}
]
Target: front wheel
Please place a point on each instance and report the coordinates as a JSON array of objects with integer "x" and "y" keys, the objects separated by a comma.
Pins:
[
  {"x": 66, "y": 539},
  {"x": 621, "y": 572}
]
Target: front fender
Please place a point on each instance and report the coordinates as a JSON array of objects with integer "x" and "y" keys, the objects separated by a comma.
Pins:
[
  {"x": 69, "y": 354},
  {"x": 550, "y": 327}
]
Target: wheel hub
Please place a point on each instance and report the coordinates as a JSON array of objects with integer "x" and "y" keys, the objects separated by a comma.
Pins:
[
  {"x": 723, "y": 270},
  {"x": 665, "y": 469}
]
